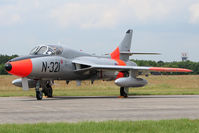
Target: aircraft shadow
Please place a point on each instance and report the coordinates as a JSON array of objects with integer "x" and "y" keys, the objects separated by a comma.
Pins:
[{"x": 108, "y": 97}]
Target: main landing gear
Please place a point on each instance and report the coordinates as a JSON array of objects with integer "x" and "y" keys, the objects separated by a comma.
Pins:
[
  {"x": 46, "y": 89},
  {"x": 124, "y": 92}
]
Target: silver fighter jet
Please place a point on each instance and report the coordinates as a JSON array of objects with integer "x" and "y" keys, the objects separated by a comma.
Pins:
[{"x": 47, "y": 63}]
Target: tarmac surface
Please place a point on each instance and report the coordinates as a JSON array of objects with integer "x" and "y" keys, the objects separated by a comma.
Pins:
[{"x": 74, "y": 109}]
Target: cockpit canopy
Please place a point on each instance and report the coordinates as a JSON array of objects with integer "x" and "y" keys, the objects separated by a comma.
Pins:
[{"x": 47, "y": 50}]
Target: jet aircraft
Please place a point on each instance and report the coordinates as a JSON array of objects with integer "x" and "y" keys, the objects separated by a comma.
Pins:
[{"x": 47, "y": 63}]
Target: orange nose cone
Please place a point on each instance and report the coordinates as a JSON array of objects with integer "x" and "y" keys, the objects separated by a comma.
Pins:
[{"x": 21, "y": 68}]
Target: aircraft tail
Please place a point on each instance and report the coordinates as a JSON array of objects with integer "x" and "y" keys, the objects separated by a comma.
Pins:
[{"x": 123, "y": 50}]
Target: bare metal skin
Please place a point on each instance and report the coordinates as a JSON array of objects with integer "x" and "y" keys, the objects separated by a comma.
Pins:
[{"x": 47, "y": 63}]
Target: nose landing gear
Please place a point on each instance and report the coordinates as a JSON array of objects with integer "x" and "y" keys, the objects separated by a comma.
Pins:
[{"x": 39, "y": 94}]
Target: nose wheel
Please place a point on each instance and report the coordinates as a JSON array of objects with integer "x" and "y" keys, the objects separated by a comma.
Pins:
[
  {"x": 39, "y": 94},
  {"x": 124, "y": 92}
]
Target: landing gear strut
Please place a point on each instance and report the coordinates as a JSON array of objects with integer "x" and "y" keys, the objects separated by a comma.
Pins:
[{"x": 124, "y": 92}]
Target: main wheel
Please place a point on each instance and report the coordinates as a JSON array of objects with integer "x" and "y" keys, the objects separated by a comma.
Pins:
[
  {"x": 48, "y": 91},
  {"x": 123, "y": 93},
  {"x": 39, "y": 95}
]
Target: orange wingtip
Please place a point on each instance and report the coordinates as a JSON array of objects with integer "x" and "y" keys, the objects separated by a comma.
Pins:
[{"x": 165, "y": 69}]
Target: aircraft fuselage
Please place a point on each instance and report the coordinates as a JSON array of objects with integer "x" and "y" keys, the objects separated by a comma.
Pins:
[{"x": 61, "y": 67}]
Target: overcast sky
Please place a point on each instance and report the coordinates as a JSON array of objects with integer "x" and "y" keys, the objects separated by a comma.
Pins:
[{"x": 169, "y": 27}]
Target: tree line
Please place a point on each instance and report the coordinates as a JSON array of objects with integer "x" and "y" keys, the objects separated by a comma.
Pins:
[
  {"x": 182, "y": 64},
  {"x": 3, "y": 60}
]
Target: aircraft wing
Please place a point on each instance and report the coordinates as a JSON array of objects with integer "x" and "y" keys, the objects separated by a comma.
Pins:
[
  {"x": 92, "y": 66},
  {"x": 140, "y": 68}
]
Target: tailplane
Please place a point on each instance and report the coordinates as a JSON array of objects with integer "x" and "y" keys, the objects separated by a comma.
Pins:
[{"x": 122, "y": 52}]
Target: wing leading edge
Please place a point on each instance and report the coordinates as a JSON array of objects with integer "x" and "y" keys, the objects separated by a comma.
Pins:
[
  {"x": 140, "y": 68},
  {"x": 88, "y": 63},
  {"x": 127, "y": 68}
]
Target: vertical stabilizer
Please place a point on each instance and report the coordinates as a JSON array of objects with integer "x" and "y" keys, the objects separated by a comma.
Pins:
[{"x": 124, "y": 47}]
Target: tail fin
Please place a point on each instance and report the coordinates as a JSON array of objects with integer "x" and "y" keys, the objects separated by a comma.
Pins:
[{"x": 123, "y": 48}]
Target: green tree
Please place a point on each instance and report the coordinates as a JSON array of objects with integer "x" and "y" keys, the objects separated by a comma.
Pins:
[{"x": 3, "y": 60}]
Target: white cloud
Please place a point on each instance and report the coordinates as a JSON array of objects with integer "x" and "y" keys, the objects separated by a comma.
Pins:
[
  {"x": 194, "y": 13},
  {"x": 85, "y": 15},
  {"x": 147, "y": 9},
  {"x": 17, "y": 11},
  {"x": 110, "y": 14},
  {"x": 95, "y": 14},
  {"x": 9, "y": 16}
]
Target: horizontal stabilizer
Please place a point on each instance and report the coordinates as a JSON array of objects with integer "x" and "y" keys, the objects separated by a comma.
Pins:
[{"x": 129, "y": 53}]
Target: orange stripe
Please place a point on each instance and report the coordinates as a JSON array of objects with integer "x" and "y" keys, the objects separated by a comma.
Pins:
[
  {"x": 162, "y": 69},
  {"x": 21, "y": 68},
  {"x": 120, "y": 62},
  {"x": 120, "y": 75},
  {"x": 115, "y": 54}
]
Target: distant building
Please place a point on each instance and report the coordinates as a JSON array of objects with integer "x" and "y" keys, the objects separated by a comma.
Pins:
[{"x": 184, "y": 57}]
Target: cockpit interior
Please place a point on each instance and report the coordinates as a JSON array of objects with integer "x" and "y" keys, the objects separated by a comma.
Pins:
[{"x": 47, "y": 50}]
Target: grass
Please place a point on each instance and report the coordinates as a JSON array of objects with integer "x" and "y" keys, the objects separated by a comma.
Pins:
[
  {"x": 162, "y": 126},
  {"x": 157, "y": 85}
]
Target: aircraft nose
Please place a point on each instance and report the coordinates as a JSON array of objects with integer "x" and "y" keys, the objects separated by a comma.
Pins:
[
  {"x": 20, "y": 68},
  {"x": 8, "y": 67}
]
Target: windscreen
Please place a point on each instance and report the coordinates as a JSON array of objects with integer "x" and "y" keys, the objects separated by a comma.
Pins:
[{"x": 46, "y": 50}]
